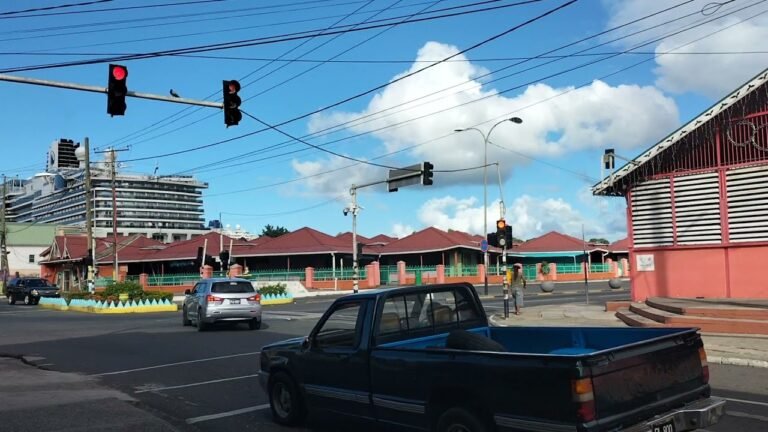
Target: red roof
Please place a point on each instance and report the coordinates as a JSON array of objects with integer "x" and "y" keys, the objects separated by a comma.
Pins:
[
  {"x": 554, "y": 241},
  {"x": 382, "y": 238},
  {"x": 303, "y": 241},
  {"x": 187, "y": 249},
  {"x": 431, "y": 240},
  {"x": 620, "y": 245},
  {"x": 75, "y": 247},
  {"x": 347, "y": 238}
]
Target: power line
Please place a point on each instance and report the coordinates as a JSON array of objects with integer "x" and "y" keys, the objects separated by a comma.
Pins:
[
  {"x": 589, "y": 82},
  {"x": 53, "y": 7},
  {"x": 261, "y": 41},
  {"x": 149, "y": 6},
  {"x": 369, "y": 91},
  {"x": 422, "y": 97}
]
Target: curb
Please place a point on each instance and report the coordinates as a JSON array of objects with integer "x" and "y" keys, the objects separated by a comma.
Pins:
[{"x": 736, "y": 361}]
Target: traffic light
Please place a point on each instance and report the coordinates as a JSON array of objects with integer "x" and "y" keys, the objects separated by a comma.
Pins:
[
  {"x": 427, "y": 174},
  {"x": 232, "y": 114},
  {"x": 508, "y": 235},
  {"x": 493, "y": 239},
  {"x": 117, "y": 88},
  {"x": 501, "y": 232}
]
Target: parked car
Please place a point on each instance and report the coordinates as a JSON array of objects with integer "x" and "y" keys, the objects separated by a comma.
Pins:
[
  {"x": 221, "y": 299},
  {"x": 425, "y": 358},
  {"x": 30, "y": 290}
]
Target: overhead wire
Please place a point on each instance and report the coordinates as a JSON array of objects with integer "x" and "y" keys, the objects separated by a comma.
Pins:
[
  {"x": 258, "y": 41},
  {"x": 45, "y": 8},
  {"x": 587, "y": 83},
  {"x": 321, "y": 132},
  {"x": 122, "y": 8}
]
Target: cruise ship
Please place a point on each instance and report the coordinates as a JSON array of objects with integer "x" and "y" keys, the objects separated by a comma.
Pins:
[{"x": 165, "y": 208}]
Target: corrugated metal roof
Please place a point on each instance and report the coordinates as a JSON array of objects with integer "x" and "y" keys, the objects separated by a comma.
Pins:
[{"x": 30, "y": 234}]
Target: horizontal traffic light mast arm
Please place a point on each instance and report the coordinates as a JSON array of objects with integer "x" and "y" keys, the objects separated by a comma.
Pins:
[{"x": 96, "y": 89}]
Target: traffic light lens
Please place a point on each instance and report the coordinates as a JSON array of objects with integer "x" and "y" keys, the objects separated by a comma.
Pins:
[
  {"x": 501, "y": 224},
  {"x": 119, "y": 73}
]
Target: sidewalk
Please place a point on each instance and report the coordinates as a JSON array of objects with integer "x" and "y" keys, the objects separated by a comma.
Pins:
[
  {"x": 32, "y": 399},
  {"x": 739, "y": 350}
]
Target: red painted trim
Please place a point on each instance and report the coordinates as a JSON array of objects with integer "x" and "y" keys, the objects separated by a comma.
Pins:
[
  {"x": 724, "y": 221},
  {"x": 702, "y": 246},
  {"x": 749, "y": 116},
  {"x": 674, "y": 213},
  {"x": 708, "y": 170},
  {"x": 718, "y": 155},
  {"x": 630, "y": 231},
  {"x": 727, "y": 272}
]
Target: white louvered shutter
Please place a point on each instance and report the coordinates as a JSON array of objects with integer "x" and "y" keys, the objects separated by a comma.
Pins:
[
  {"x": 697, "y": 209},
  {"x": 652, "y": 214},
  {"x": 748, "y": 204}
]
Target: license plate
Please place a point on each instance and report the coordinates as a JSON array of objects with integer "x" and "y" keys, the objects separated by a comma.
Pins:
[
  {"x": 664, "y": 427},
  {"x": 234, "y": 301}
]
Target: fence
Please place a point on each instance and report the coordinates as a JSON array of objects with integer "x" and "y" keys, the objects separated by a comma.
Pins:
[
  {"x": 462, "y": 270},
  {"x": 529, "y": 272},
  {"x": 599, "y": 268},
  {"x": 569, "y": 268},
  {"x": 347, "y": 273},
  {"x": 275, "y": 275}
]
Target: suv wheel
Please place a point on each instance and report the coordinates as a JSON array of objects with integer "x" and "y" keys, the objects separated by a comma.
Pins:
[
  {"x": 28, "y": 300},
  {"x": 201, "y": 325},
  {"x": 11, "y": 299}
]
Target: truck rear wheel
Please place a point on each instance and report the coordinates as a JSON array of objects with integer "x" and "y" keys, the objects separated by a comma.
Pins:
[
  {"x": 460, "y": 420},
  {"x": 285, "y": 401}
]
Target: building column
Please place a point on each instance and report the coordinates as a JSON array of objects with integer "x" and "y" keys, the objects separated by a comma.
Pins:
[
  {"x": 144, "y": 281},
  {"x": 401, "y": 273},
  {"x": 207, "y": 272},
  {"x": 235, "y": 270},
  {"x": 370, "y": 275},
  {"x": 309, "y": 277},
  {"x": 440, "y": 268},
  {"x": 480, "y": 273}
]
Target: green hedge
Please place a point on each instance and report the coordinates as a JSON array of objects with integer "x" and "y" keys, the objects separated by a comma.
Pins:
[{"x": 273, "y": 289}]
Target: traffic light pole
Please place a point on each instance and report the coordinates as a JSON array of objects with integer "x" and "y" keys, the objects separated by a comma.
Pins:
[
  {"x": 355, "y": 274},
  {"x": 506, "y": 280},
  {"x": 88, "y": 211},
  {"x": 3, "y": 238},
  {"x": 97, "y": 89}
]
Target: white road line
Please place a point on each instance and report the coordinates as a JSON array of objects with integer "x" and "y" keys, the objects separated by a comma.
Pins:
[
  {"x": 175, "y": 364},
  {"x": 747, "y": 401},
  {"x": 157, "y": 389},
  {"x": 746, "y": 415},
  {"x": 226, "y": 414}
]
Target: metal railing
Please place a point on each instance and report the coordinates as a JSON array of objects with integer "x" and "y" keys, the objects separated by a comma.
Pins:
[
  {"x": 328, "y": 274},
  {"x": 569, "y": 268},
  {"x": 599, "y": 268}
]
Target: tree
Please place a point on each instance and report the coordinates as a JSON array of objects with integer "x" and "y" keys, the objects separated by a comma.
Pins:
[
  {"x": 598, "y": 240},
  {"x": 273, "y": 231}
]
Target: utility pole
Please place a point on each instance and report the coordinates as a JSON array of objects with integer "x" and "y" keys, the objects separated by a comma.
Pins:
[
  {"x": 355, "y": 274},
  {"x": 112, "y": 157},
  {"x": 586, "y": 266},
  {"x": 3, "y": 238},
  {"x": 506, "y": 280},
  {"x": 88, "y": 210}
]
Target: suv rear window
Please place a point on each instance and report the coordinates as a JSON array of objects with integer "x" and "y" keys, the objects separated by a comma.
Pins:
[{"x": 232, "y": 287}]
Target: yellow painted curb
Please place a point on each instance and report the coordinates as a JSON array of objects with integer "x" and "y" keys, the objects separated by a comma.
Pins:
[
  {"x": 276, "y": 301},
  {"x": 137, "y": 309},
  {"x": 54, "y": 307}
]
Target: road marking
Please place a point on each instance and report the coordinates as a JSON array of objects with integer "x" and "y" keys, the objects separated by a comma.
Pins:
[
  {"x": 746, "y": 415},
  {"x": 156, "y": 389},
  {"x": 226, "y": 414},
  {"x": 175, "y": 364},
  {"x": 747, "y": 402}
]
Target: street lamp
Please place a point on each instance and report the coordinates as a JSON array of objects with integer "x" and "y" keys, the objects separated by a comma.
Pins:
[{"x": 486, "y": 138}]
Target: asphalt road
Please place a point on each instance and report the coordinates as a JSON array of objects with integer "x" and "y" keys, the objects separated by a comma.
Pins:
[{"x": 207, "y": 381}]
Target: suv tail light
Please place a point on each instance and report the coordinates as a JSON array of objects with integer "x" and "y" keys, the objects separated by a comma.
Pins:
[
  {"x": 584, "y": 397},
  {"x": 704, "y": 364},
  {"x": 255, "y": 298},
  {"x": 215, "y": 300}
]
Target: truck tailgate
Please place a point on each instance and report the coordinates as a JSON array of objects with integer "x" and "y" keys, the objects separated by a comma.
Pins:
[{"x": 636, "y": 382}]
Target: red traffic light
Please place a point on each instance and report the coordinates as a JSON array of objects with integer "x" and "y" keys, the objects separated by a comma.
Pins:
[
  {"x": 119, "y": 72},
  {"x": 233, "y": 86}
]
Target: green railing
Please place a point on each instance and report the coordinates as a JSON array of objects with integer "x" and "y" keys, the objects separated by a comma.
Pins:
[
  {"x": 102, "y": 282},
  {"x": 328, "y": 274},
  {"x": 388, "y": 274},
  {"x": 529, "y": 272},
  {"x": 569, "y": 268},
  {"x": 276, "y": 275},
  {"x": 173, "y": 279},
  {"x": 463, "y": 270},
  {"x": 599, "y": 268}
]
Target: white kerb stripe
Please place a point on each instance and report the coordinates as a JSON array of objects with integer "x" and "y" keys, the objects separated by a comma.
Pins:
[
  {"x": 156, "y": 389},
  {"x": 226, "y": 414},
  {"x": 747, "y": 401},
  {"x": 176, "y": 364}
]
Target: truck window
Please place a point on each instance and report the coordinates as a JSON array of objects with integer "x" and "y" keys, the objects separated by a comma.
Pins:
[
  {"x": 340, "y": 328},
  {"x": 443, "y": 308},
  {"x": 465, "y": 306}
]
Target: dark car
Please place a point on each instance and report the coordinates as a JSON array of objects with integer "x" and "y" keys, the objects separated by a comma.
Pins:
[{"x": 30, "y": 290}]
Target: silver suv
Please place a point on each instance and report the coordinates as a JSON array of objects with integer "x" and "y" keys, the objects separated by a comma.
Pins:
[{"x": 221, "y": 299}]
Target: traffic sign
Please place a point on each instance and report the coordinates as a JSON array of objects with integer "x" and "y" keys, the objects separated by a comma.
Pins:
[{"x": 484, "y": 245}]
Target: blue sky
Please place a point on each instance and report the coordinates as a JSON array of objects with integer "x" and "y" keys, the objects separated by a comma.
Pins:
[{"x": 547, "y": 163}]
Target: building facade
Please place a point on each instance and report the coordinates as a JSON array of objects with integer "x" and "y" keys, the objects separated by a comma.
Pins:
[
  {"x": 697, "y": 203},
  {"x": 166, "y": 208}
]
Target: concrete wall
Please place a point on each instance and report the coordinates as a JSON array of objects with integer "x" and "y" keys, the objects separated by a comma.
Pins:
[
  {"x": 18, "y": 259},
  {"x": 710, "y": 272}
]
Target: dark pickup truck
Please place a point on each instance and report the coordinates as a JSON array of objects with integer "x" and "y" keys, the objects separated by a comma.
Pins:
[{"x": 425, "y": 358}]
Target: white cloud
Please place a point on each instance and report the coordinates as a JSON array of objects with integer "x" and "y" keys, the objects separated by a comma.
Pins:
[
  {"x": 339, "y": 182},
  {"x": 400, "y": 230},
  {"x": 711, "y": 75},
  {"x": 556, "y": 120},
  {"x": 530, "y": 217}
]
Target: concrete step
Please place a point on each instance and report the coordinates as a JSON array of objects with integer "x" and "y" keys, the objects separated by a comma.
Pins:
[
  {"x": 612, "y": 306},
  {"x": 707, "y": 324},
  {"x": 634, "y": 320},
  {"x": 709, "y": 308}
]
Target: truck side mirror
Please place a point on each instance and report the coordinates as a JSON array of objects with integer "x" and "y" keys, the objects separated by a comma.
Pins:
[
  {"x": 305, "y": 343},
  {"x": 187, "y": 292}
]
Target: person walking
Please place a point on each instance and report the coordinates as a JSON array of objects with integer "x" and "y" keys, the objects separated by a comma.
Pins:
[{"x": 518, "y": 284}]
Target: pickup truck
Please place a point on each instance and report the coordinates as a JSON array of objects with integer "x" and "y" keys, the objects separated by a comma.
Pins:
[{"x": 425, "y": 358}]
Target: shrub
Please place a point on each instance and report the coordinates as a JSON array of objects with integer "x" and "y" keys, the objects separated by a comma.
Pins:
[
  {"x": 76, "y": 295},
  {"x": 133, "y": 289},
  {"x": 157, "y": 295},
  {"x": 273, "y": 289},
  {"x": 544, "y": 268}
]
